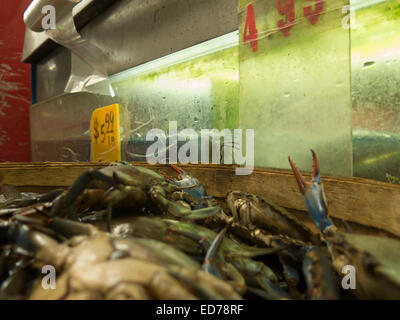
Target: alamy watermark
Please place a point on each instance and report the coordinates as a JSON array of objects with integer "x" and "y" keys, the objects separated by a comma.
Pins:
[
  {"x": 349, "y": 21},
  {"x": 197, "y": 147},
  {"x": 49, "y": 21},
  {"x": 349, "y": 280},
  {"x": 49, "y": 280}
]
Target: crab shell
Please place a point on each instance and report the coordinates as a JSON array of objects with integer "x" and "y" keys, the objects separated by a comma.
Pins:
[
  {"x": 134, "y": 175},
  {"x": 376, "y": 261},
  {"x": 102, "y": 267},
  {"x": 252, "y": 210}
]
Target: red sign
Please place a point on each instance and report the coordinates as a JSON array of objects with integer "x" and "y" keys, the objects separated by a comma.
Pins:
[
  {"x": 285, "y": 8},
  {"x": 312, "y": 15},
  {"x": 250, "y": 30},
  {"x": 15, "y": 97}
]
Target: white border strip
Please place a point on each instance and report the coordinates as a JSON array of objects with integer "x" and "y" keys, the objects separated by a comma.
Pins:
[
  {"x": 208, "y": 47},
  {"x": 361, "y": 4}
]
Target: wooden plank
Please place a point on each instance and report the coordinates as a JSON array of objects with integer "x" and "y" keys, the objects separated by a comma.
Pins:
[{"x": 367, "y": 202}]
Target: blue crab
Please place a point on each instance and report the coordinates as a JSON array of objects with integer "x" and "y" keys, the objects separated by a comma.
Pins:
[
  {"x": 376, "y": 259},
  {"x": 133, "y": 187}
]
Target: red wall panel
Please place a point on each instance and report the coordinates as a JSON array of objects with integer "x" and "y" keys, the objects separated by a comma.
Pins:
[{"x": 15, "y": 95}]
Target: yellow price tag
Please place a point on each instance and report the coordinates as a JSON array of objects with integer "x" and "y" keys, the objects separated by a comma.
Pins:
[{"x": 104, "y": 128}]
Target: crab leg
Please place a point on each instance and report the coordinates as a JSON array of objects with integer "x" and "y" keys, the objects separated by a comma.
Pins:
[
  {"x": 209, "y": 264},
  {"x": 185, "y": 180},
  {"x": 181, "y": 211},
  {"x": 77, "y": 188},
  {"x": 20, "y": 203},
  {"x": 176, "y": 169},
  {"x": 272, "y": 289},
  {"x": 291, "y": 274},
  {"x": 201, "y": 241},
  {"x": 318, "y": 274},
  {"x": 190, "y": 185},
  {"x": 314, "y": 196}
]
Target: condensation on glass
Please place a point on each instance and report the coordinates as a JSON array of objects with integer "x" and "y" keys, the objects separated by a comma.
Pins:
[
  {"x": 197, "y": 87},
  {"x": 295, "y": 89},
  {"x": 376, "y": 90},
  {"x": 60, "y": 126}
]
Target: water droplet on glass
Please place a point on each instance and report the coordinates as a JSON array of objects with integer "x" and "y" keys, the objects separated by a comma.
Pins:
[
  {"x": 368, "y": 64},
  {"x": 286, "y": 94},
  {"x": 196, "y": 120},
  {"x": 339, "y": 84}
]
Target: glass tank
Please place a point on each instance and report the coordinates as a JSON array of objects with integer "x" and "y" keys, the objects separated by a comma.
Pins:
[
  {"x": 375, "y": 90},
  {"x": 321, "y": 75},
  {"x": 295, "y": 83},
  {"x": 198, "y": 88}
]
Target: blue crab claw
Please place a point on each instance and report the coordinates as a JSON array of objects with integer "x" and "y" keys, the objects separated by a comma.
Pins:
[
  {"x": 180, "y": 211},
  {"x": 210, "y": 261},
  {"x": 185, "y": 180},
  {"x": 191, "y": 186},
  {"x": 314, "y": 196}
]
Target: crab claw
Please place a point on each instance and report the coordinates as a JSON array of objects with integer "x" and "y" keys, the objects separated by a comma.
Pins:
[
  {"x": 210, "y": 261},
  {"x": 314, "y": 196},
  {"x": 176, "y": 169},
  {"x": 192, "y": 186},
  {"x": 185, "y": 180}
]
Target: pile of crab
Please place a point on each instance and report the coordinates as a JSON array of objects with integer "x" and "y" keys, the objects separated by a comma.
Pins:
[{"x": 128, "y": 232}]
